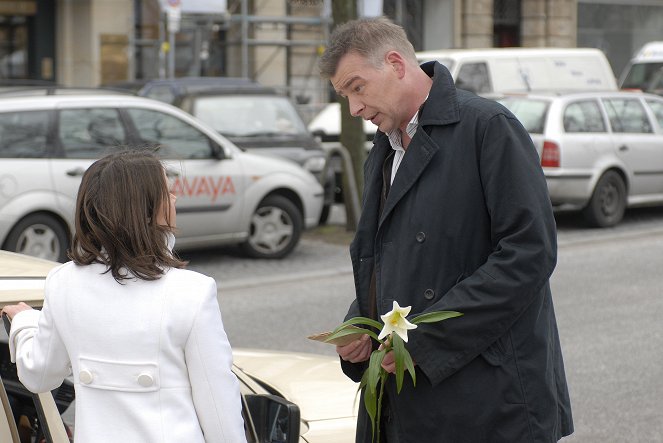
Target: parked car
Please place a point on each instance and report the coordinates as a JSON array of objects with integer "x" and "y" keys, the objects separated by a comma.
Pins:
[
  {"x": 286, "y": 397},
  {"x": 644, "y": 71},
  {"x": 225, "y": 196},
  {"x": 601, "y": 152},
  {"x": 326, "y": 124},
  {"x": 254, "y": 117}
]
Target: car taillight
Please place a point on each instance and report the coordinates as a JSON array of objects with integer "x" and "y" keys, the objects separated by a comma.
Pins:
[{"x": 550, "y": 155}]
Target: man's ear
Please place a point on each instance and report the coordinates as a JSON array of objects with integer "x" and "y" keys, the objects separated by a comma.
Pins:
[{"x": 395, "y": 61}]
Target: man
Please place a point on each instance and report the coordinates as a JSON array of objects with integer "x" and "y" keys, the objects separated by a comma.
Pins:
[{"x": 456, "y": 216}]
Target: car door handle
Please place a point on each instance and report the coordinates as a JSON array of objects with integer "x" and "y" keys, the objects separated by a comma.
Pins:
[
  {"x": 623, "y": 148},
  {"x": 76, "y": 172}
]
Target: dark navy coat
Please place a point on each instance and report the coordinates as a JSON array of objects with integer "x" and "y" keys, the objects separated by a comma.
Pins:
[{"x": 467, "y": 226}]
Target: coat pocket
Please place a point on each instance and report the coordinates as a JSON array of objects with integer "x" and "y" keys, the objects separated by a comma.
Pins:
[
  {"x": 118, "y": 376},
  {"x": 500, "y": 351}
]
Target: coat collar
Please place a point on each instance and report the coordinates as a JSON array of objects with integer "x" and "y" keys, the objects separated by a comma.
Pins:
[{"x": 441, "y": 108}]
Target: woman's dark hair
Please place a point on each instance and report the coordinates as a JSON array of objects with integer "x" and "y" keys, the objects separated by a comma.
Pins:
[{"x": 118, "y": 204}]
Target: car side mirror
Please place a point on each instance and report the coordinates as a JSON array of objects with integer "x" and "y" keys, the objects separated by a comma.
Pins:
[{"x": 276, "y": 420}]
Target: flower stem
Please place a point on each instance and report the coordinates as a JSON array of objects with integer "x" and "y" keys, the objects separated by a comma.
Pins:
[{"x": 383, "y": 377}]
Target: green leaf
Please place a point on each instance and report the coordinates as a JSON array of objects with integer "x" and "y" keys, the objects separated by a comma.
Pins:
[
  {"x": 374, "y": 370},
  {"x": 432, "y": 317},
  {"x": 347, "y": 330},
  {"x": 409, "y": 364},
  {"x": 399, "y": 351},
  {"x": 360, "y": 321},
  {"x": 370, "y": 402}
]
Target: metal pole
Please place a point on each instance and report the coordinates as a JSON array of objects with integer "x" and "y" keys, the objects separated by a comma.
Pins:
[
  {"x": 245, "y": 39},
  {"x": 171, "y": 54}
]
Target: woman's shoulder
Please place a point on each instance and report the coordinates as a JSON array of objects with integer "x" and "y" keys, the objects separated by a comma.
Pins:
[{"x": 188, "y": 277}]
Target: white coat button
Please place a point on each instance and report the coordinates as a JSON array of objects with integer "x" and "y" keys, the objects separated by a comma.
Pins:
[
  {"x": 85, "y": 376},
  {"x": 145, "y": 380}
]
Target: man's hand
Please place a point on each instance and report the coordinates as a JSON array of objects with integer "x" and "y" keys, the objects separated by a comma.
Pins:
[
  {"x": 356, "y": 351},
  {"x": 389, "y": 363}
]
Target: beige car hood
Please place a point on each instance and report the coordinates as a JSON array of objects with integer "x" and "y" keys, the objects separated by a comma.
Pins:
[
  {"x": 22, "y": 278},
  {"x": 315, "y": 383}
]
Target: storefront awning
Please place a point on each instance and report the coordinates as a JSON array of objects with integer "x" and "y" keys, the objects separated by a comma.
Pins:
[{"x": 197, "y": 6}]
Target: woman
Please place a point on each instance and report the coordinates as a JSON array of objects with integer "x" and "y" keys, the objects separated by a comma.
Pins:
[{"x": 142, "y": 336}]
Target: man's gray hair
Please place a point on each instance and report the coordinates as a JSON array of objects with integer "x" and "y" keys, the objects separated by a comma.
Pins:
[{"x": 371, "y": 38}]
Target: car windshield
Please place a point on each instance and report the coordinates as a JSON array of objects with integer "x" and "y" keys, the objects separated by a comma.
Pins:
[
  {"x": 531, "y": 112},
  {"x": 249, "y": 115},
  {"x": 645, "y": 76}
]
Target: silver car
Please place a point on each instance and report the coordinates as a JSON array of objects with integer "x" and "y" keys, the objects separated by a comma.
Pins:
[
  {"x": 225, "y": 195},
  {"x": 601, "y": 152}
]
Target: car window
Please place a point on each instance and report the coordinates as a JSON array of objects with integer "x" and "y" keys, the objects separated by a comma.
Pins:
[
  {"x": 23, "y": 134},
  {"x": 176, "y": 138},
  {"x": 90, "y": 133},
  {"x": 531, "y": 113},
  {"x": 583, "y": 116},
  {"x": 249, "y": 115},
  {"x": 657, "y": 108},
  {"x": 162, "y": 93},
  {"x": 643, "y": 76},
  {"x": 474, "y": 77},
  {"x": 627, "y": 115}
]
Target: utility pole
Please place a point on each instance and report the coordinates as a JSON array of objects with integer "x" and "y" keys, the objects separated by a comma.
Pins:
[{"x": 352, "y": 128}]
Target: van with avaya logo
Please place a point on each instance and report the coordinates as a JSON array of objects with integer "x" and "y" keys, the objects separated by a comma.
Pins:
[{"x": 225, "y": 196}]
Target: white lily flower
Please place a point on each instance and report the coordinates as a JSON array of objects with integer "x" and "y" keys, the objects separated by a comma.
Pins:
[{"x": 394, "y": 321}]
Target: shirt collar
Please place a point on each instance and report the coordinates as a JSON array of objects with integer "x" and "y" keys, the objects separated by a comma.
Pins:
[{"x": 395, "y": 139}]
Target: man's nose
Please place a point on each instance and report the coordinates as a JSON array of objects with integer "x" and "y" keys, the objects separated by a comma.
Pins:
[{"x": 355, "y": 107}]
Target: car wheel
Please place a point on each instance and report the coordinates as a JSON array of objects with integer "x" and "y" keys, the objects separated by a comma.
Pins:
[
  {"x": 275, "y": 229},
  {"x": 39, "y": 235},
  {"x": 608, "y": 202}
]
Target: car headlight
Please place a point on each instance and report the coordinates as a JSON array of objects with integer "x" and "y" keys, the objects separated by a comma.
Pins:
[{"x": 315, "y": 164}]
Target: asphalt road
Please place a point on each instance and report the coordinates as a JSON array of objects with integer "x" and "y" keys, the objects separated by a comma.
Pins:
[{"x": 608, "y": 295}]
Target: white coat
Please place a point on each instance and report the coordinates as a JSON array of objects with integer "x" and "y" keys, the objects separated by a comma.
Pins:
[{"x": 151, "y": 361}]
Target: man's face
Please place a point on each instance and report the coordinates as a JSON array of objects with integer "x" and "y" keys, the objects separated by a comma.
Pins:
[{"x": 373, "y": 93}]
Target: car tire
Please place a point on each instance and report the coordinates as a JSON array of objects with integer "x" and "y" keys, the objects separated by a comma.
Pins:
[
  {"x": 275, "y": 229},
  {"x": 608, "y": 202},
  {"x": 39, "y": 235}
]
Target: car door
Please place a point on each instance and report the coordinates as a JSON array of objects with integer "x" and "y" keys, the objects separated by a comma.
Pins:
[
  {"x": 208, "y": 182},
  {"x": 586, "y": 141},
  {"x": 82, "y": 135},
  {"x": 636, "y": 143}
]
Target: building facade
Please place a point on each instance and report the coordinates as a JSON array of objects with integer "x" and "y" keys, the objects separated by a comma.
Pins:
[{"x": 277, "y": 42}]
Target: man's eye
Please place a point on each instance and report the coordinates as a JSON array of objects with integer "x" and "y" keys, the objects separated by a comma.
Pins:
[{"x": 359, "y": 88}]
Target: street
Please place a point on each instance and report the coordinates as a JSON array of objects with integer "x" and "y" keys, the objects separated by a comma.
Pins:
[{"x": 607, "y": 294}]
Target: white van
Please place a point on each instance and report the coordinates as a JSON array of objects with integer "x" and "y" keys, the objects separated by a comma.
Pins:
[
  {"x": 498, "y": 70},
  {"x": 645, "y": 70}
]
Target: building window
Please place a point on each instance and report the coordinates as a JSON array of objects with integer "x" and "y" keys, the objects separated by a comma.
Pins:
[{"x": 506, "y": 23}]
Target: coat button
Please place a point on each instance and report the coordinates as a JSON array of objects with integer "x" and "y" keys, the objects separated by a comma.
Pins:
[
  {"x": 429, "y": 294},
  {"x": 421, "y": 236},
  {"x": 145, "y": 380},
  {"x": 85, "y": 376}
]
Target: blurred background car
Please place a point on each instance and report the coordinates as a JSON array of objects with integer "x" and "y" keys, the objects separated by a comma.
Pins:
[
  {"x": 254, "y": 117},
  {"x": 225, "y": 196},
  {"x": 600, "y": 151},
  {"x": 286, "y": 397},
  {"x": 644, "y": 71},
  {"x": 326, "y": 124}
]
